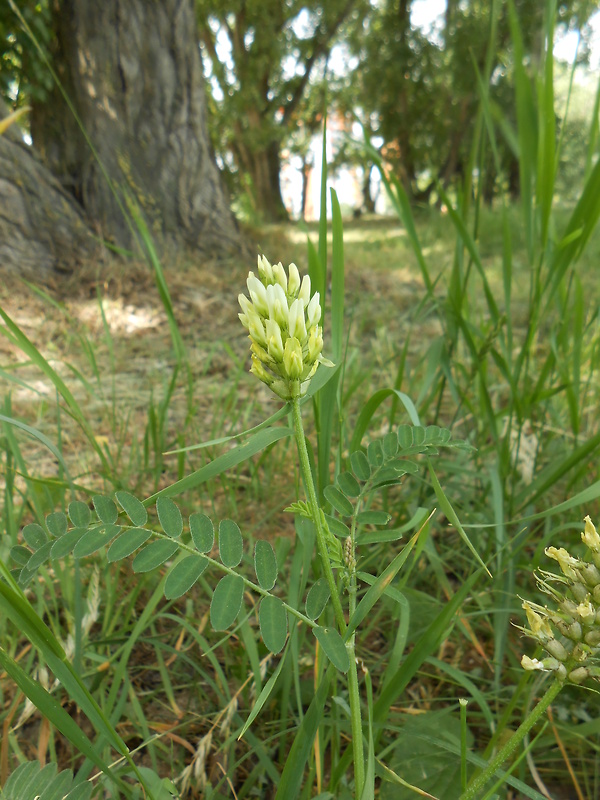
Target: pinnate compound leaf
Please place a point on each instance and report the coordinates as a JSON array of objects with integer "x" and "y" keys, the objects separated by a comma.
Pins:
[
  {"x": 360, "y": 465},
  {"x": 169, "y": 517},
  {"x": 273, "y": 623},
  {"x": 105, "y": 508},
  {"x": 20, "y": 555},
  {"x": 231, "y": 544},
  {"x": 154, "y": 555},
  {"x": 57, "y": 523},
  {"x": 133, "y": 508},
  {"x": 127, "y": 543},
  {"x": 65, "y": 545},
  {"x": 265, "y": 564},
  {"x": 317, "y": 598},
  {"x": 333, "y": 647},
  {"x": 203, "y": 532},
  {"x": 373, "y": 518},
  {"x": 184, "y": 575},
  {"x": 41, "y": 555},
  {"x": 93, "y": 540},
  {"x": 348, "y": 484},
  {"x": 338, "y": 501},
  {"x": 226, "y": 602},
  {"x": 35, "y": 536},
  {"x": 79, "y": 514}
]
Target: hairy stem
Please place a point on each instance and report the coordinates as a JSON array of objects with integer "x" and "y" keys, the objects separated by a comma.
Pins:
[
  {"x": 315, "y": 510},
  {"x": 511, "y": 745}
]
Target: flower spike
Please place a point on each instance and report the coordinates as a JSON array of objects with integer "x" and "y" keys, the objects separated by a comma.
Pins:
[{"x": 283, "y": 323}]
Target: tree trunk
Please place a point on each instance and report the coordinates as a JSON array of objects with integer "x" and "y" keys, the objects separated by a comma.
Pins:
[
  {"x": 42, "y": 230},
  {"x": 368, "y": 199},
  {"x": 132, "y": 70},
  {"x": 264, "y": 168}
]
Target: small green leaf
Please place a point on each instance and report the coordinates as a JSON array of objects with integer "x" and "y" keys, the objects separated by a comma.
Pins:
[
  {"x": 169, "y": 517},
  {"x": 105, "y": 508},
  {"x": 231, "y": 544},
  {"x": 387, "y": 475},
  {"x": 93, "y": 540},
  {"x": 360, "y": 465},
  {"x": 133, "y": 508},
  {"x": 375, "y": 453},
  {"x": 373, "y": 518},
  {"x": 317, "y": 598},
  {"x": 203, "y": 532},
  {"x": 265, "y": 565},
  {"x": 405, "y": 436},
  {"x": 35, "y": 536},
  {"x": 432, "y": 434},
  {"x": 390, "y": 444},
  {"x": 184, "y": 575},
  {"x": 82, "y": 791},
  {"x": 41, "y": 555},
  {"x": 404, "y": 466},
  {"x": 226, "y": 602},
  {"x": 154, "y": 554},
  {"x": 338, "y": 501},
  {"x": 418, "y": 435},
  {"x": 57, "y": 523},
  {"x": 20, "y": 555},
  {"x": 333, "y": 647},
  {"x": 79, "y": 514},
  {"x": 127, "y": 543},
  {"x": 348, "y": 484},
  {"x": 273, "y": 623},
  {"x": 63, "y": 546},
  {"x": 336, "y": 526}
]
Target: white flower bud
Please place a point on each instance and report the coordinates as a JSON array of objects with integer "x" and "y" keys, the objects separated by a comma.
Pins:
[
  {"x": 293, "y": 281},
  {"x": 531, "y": 664},
  {"x": 258, "y": 295},
  {"x": 292, "y": 359},
  {"x": 313, "y": 312},
  {"x": 296, "y": 323},
  {"x": 277, "y": 305},
  {"x": 280, "y": 276},
  {"x": 274, "y": 341},
  {"x": 590, "y": 535},
  {"x": 565, "y": 560},
  {"x": 265, "y": 270},
  {"x": 304, "y": 293}
]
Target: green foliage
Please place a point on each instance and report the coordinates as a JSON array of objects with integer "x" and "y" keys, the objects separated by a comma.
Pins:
[
  {"x": 30, "y": 781},
  {"x": 23, "y": 73}
]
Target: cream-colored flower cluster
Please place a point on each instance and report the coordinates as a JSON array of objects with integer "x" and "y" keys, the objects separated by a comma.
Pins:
[
  {"x": 577, "y": 620},
  {"x": 283, "y": 322}
]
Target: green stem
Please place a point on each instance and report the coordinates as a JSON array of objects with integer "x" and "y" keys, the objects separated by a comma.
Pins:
[
  {"x": 511, "y": 745},
  {"x": 315, "y": 512},
  {"x": 353, "y": 690}
]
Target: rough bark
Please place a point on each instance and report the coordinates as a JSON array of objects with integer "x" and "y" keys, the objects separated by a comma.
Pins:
[
  {"x": 132, "y": 71},
  {"x": 42, "y": 230}
]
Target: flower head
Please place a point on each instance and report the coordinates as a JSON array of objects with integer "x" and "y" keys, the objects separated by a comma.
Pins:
[
  {"x": 283, "y": 323},
  {"x": 571, "y": 635}
]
